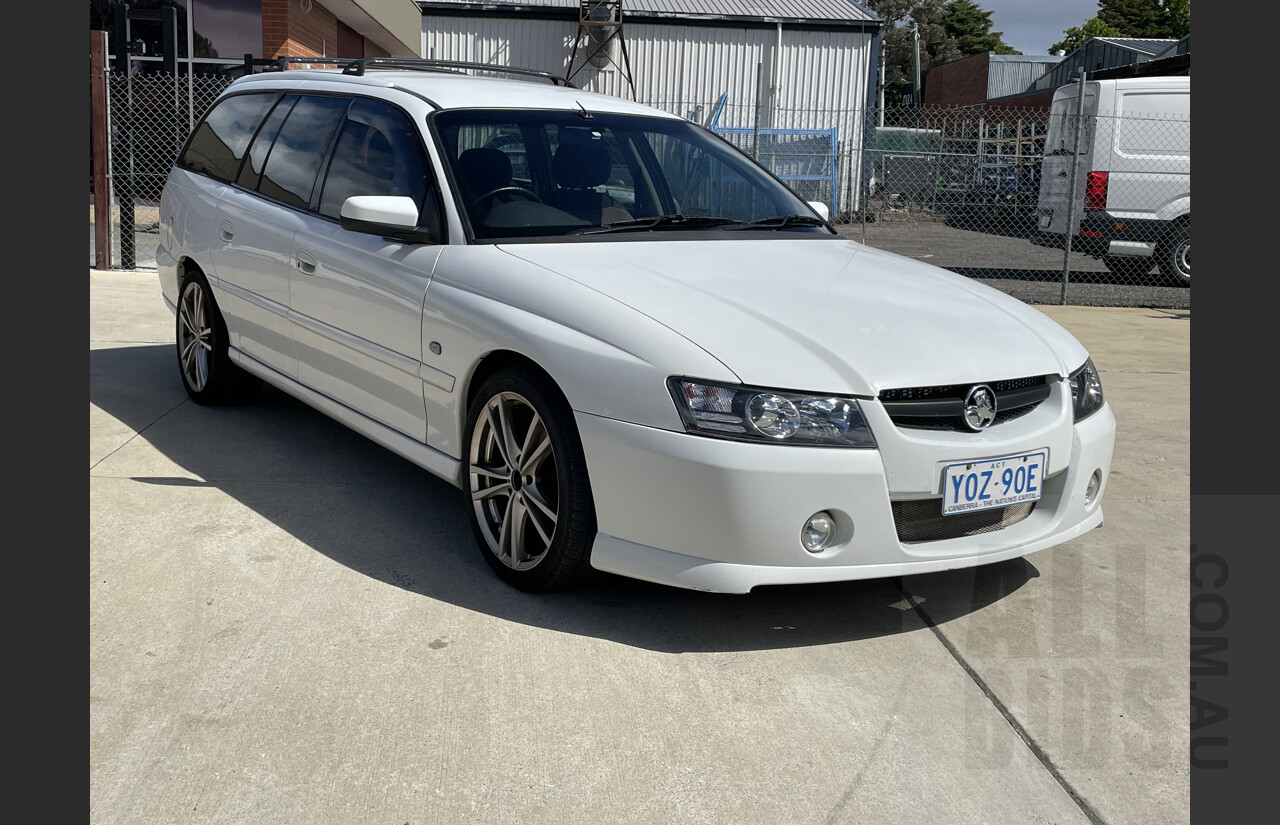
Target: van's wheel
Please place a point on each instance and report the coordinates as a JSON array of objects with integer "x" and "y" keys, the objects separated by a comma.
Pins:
[
  {"x": 208, "y": 373},
  {"x": 1174, "y": 255},
  {"x": 531, "y": 508},
  {"x": 1129, "y": 267}
]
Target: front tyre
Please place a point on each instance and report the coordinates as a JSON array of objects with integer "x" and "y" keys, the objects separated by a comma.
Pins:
[
  {"x": 530, "y": 500},
  {"x": 208, "y": 374},
  {"x": 1174, "y": 255}
]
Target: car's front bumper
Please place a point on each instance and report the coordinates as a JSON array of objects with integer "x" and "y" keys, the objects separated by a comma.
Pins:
[{"x": 727, "y": 516}]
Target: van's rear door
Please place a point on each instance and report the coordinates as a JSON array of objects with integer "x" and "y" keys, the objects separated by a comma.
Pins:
[{"x": 1060, "y": 152}]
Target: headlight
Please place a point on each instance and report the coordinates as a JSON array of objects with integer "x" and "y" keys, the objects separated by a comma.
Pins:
[
  {"x": 1086, "y": 391},
  {"x": 772, "y": 416}
]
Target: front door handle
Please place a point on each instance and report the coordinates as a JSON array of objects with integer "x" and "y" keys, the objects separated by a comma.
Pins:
[
  {"x": 306, "y": 263},
  {"x": 226, "y": 231}
]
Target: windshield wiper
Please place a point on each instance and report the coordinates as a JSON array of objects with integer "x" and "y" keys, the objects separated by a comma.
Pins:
[
  {"x": 783, "y": 221},
  {"x": 662, "y": 222}
]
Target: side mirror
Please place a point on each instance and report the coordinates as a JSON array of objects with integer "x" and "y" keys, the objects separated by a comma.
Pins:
[
  {"x": 821, "y": 209},
  {"x": 379, "y": 215}
]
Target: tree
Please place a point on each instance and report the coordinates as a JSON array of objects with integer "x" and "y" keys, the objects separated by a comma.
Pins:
[
  {"x": 970, "y": 28},
  {"x": 1159, "y": 19},
  {"x": 1177, "y": 16},
  {"x": 1077, "y": 35},
  {"x": 1134, "y": 18},
  {"x": 948, "y": 30}
]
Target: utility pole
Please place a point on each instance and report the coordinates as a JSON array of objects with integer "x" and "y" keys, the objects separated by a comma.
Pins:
[
  {"x": 915, "y": 39},
  {"x": 881, "y": 98}
]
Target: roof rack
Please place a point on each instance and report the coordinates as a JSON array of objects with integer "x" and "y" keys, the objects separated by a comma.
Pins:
[{"x": 358, "y": 66}]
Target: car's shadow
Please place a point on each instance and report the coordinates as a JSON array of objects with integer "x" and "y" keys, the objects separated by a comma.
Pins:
[{"x": 380, "y": 515}]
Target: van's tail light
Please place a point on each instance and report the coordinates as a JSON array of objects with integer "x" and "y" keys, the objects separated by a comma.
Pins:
[{"x": 1095, "y": 192}]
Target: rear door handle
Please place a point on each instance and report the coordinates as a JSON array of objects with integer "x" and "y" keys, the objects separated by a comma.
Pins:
[
  {"x": 226, "y": 231},
  {"x": 306, "y": 263}
]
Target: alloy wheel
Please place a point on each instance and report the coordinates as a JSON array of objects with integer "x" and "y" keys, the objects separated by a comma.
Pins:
[
  {"x": 195, "y": 337},
  {"x": 513, "y": 481}
]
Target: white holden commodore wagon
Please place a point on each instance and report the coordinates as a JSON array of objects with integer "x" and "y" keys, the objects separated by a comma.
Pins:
[{"x": 631, "y": 347}]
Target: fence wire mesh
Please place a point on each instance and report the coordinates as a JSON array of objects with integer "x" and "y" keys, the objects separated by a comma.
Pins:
[
  {"x": 149, "y": 117},
  {"x": 984, "y": 191}
]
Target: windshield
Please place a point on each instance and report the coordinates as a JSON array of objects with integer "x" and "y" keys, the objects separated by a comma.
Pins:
[{"x": 554, "y": 174}]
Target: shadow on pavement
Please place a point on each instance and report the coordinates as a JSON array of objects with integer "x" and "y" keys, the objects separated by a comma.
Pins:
[{"x": 366, "y": 508}]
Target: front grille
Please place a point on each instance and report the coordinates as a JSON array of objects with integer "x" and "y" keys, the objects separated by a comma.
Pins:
[
  {"x": 942, "y": 407},
  {"x": 922, "y": 520}
]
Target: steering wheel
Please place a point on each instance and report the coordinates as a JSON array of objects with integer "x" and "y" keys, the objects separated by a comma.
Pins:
[{"x": 505, "y": 194}]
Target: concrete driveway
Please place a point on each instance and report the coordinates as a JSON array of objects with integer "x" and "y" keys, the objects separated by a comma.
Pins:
[{"x": 289, "y": 624}]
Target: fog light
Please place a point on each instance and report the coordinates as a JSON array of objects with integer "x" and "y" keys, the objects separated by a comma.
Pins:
[
  {"x": 818, "y": 532},
  {"x": 1095, "y": 484}
]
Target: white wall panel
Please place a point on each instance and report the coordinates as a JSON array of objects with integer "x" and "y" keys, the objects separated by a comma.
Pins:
[{"x": 812, "y": 79}]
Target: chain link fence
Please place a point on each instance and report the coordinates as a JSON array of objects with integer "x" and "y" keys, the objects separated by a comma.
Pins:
[
  {"x": 149, "y": 117},
  {"x": 1089, "y": 211},
  {"x": 1061, "y": 209}
]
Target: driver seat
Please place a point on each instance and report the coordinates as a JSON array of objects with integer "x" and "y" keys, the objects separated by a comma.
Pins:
[
  {"x": 579, "y": 166},
  {"x": 483, "y": 170}
]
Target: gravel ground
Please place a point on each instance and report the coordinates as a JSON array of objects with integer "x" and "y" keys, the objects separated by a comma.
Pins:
[{"x": 1014, "y": 265}]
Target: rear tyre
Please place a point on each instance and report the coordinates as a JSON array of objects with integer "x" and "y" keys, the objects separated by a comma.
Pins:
[
  {"x": 531, "y": 508},
  {"x": 1129, "y": 267},
  {"x": 1174, "y": 256},
  {"x": 208, "y": 373}
]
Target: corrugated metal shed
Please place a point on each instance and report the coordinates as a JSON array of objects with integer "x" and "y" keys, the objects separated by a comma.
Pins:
[
  {"x": 1183, "y": 46},
  {"x": 1101, "y": 53},
  {"x": 1013, "y": 74},
  {"x": 794, "y": 65},
  {"x": 1148, "y": 46},
  {"x": 701, "y": 11}
]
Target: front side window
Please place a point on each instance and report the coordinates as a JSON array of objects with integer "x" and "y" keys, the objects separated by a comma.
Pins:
[
  {"x": 549, "y": 174},
  {"x": 219, "y": 142},
  {"x": 378, "y": 153},
  {"x": 295, "y": 158}
]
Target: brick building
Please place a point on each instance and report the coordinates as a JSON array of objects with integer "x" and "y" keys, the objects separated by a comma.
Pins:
[{"x": 224, "y": 31}]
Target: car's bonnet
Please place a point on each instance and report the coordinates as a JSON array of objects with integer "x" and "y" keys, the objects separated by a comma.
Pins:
[{"x": 820, "y": 315}]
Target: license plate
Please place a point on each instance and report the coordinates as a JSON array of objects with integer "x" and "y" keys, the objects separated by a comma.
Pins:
[{"x": 997, "y": 482}]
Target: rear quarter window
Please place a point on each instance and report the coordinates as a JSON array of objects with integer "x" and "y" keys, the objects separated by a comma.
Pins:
[
  {"x": 218, "y": 144},
  {"x": 1154, "y": 124}
]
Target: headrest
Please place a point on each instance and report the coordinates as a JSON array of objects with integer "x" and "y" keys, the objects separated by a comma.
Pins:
[
  {"x": 485, "y": 169},
  {"x": 581, "y": 164}
]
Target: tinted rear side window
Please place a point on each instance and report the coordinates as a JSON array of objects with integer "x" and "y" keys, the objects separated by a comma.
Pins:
[
  {"x": 251, "y": 171},
  {"x": 220, "y": 140},
  {"x": 295, "y": 157}
]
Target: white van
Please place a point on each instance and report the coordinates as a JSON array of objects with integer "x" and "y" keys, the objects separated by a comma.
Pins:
[{"x": 1133, "y": 185}]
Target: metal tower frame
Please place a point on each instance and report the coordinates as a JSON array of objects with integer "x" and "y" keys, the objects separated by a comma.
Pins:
[{"x": 593, "y": 17}]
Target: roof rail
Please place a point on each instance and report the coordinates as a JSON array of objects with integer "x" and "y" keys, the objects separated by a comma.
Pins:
[{"x": 358, "y": 66}]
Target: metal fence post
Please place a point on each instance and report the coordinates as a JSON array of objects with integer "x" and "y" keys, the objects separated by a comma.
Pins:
[
  {"x": 755, "y": 133},
  {"x": 1075, "y": 175},
  {"x": 122, "y": 176},
  {"x": 865, "y": 161},
  {"x": 101, "y": 148}
]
